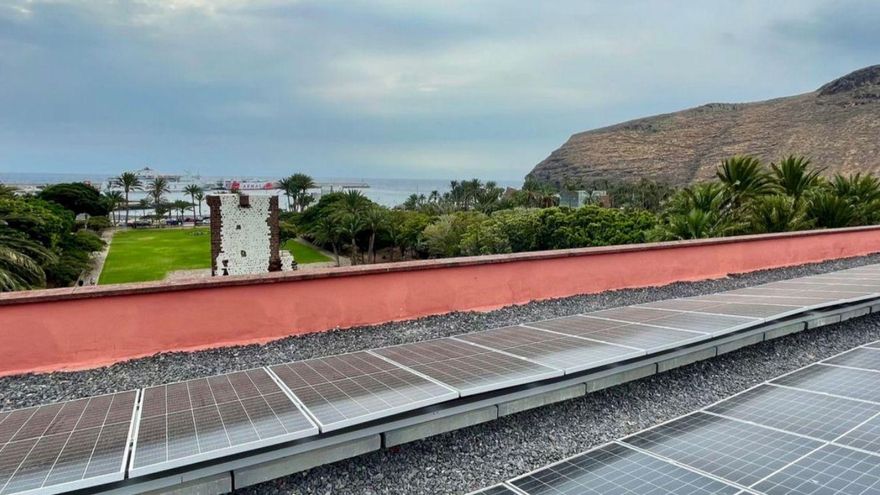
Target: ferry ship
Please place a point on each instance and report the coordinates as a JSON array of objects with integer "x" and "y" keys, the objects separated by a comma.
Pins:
[{"x": 176, "y": 183}]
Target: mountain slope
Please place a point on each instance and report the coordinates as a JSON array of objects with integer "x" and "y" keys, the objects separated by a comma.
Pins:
[{"x": 838, "y": 126}]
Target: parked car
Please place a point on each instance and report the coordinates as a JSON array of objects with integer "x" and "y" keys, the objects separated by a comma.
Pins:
[
  {"x": 134, "y": 224},
  {"x": 173, "y": 221}
]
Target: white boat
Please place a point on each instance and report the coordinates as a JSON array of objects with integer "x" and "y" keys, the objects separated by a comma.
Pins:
[{"x": 176, "y": 183}]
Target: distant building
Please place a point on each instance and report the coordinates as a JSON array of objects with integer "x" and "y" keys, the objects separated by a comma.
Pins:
[
  {"x": 576, "y": 199},
  {"x": 245, "y": 236}
]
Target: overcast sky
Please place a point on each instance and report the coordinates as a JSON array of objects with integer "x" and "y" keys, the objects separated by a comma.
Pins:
[{"x": 386, "y": 88}]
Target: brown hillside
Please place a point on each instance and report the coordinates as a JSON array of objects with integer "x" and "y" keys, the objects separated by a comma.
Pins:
[{"x": 838, "y": 126}]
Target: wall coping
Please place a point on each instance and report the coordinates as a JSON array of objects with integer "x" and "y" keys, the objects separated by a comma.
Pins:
[{"x": 95, "y": 291}]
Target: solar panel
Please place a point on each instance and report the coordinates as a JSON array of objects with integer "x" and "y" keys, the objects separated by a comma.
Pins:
[
  {"x": 792, "y": 300},
  {"x": 732, "y": 307},
  {"x": 616, "y": 469},
  {"x": 495, "y": 490},
  {"x": 467, "y": 368},
  {"x": 651, "y": 339},
  {"x": 865, "y": 437},
  {"x": 65, "y": 446},
  {"x": 806, "y": 413},
  {"x": 340, "y": 391},
  {"x": 207, "y": 418},
  {"x": 632, "y": 314},
  {"x": 845, "y": 291},
  {"x": 831, "y": 469},
  {"x": 844, "y": 382},
  {"x": 864, "y": 358},
  {"x": 678, "y": 320},
  {"x": 555, "y": 350},
  {"x": 733, "y": 450},
  {"x": 873, "y": 345}
]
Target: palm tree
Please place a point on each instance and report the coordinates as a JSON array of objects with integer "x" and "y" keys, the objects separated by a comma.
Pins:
[
  {"x": 199, "y": 197},
  {"x": 192, "y": 190},
  {"x": 348, "y": 213},
  {"x": 128, "y": 181},
  {"x": 286, "y": 185},
  {"x": 325, "y": 231},
  {"x": 375, "y": 218},
  {"x": 157, "y": 188},
  {"x": 830, "y": 211},
  {"x": 777, "y": 213},
  {"x": 180, "y": 206},
  {"x": 794, "y": 178},
  {"x": 112, "y": 199},
  {"x": 301, "y": 185},
  {"x": 20, "y": 261},
  {"x": 743, "y": 178}
]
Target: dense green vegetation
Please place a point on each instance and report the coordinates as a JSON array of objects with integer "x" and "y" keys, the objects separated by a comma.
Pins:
[
  {"x": 41, "y": 244},
  {"x": 480, "y": 218}
]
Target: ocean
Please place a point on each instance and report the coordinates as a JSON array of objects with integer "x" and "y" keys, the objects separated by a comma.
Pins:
[{"x": 387, "y": 192}]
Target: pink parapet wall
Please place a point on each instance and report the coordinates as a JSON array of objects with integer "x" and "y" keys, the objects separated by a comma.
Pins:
[{"x": 76, "y": 328}]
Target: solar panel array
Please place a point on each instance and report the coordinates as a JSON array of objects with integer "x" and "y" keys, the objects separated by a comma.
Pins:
[
  {"x": 65, "y": 446},
  {"x": 813, "y": 431},
  {"x": 197, "y": 420}
]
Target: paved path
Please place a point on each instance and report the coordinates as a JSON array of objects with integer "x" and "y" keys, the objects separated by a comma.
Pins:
[{"x": 91, "y": 275}]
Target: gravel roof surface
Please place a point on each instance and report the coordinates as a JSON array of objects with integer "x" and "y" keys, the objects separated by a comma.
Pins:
[{"x": 478, "y": 456}]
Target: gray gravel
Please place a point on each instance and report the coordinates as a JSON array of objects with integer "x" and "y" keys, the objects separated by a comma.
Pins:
[{"x": 478, "y": 456}]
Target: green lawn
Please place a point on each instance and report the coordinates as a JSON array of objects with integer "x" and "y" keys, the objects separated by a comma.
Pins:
[
  {"x": 149, "y": 254},
  {"x": 304, "y": 254}
]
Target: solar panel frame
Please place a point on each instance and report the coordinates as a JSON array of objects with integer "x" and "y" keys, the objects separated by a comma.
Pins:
[
  {"x": 865, "y": 358},
  {"x": 122, "y": 423},
  {"x": 710, "y": 324},
  {"x": 385, "y": 370},
  {"x": 830, "y": 469},
  {"x": 612, "y": 468},
  {"x": 651, "y": 339},
  {"x": 499, "y": 489},
  {"x": 565, "y": 352},
  {"x": 833, "y": 380},
  {"x": 215, "y": 453},
  {"x": 717, "y": 445},
  {"x": 415, "y": 357}
]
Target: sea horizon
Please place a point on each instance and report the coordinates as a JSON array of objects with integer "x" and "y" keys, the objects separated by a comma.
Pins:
[{"x": 384, "y": 191}]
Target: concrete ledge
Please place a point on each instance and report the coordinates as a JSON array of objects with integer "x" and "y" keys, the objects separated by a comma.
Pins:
[
  {"x": 252, "y": 475},
  {"x": 621, "y": 377},
  {"x": 212, "y": 485},
  {"x": 438, "y": 426},
  {"x": 784, "y": 330},
  {"x": 855, "y": 313},
  {"x": 739, "y": 343},
  {"x": 686, "y": 359},
  {"x": 821, "y": 321},
  {"x": 875, "y": 308},
  {"x": 543, "y": 399}
]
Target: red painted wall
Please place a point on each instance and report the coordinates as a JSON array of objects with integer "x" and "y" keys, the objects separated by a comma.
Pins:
[{"x": 86, "y": 327}]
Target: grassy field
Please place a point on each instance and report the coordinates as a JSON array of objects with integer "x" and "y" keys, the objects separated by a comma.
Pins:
[
  {"x": 304, "y": 254},
  {"x": 149, "y": 254},
  {"x": 143, "y": 255}
]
